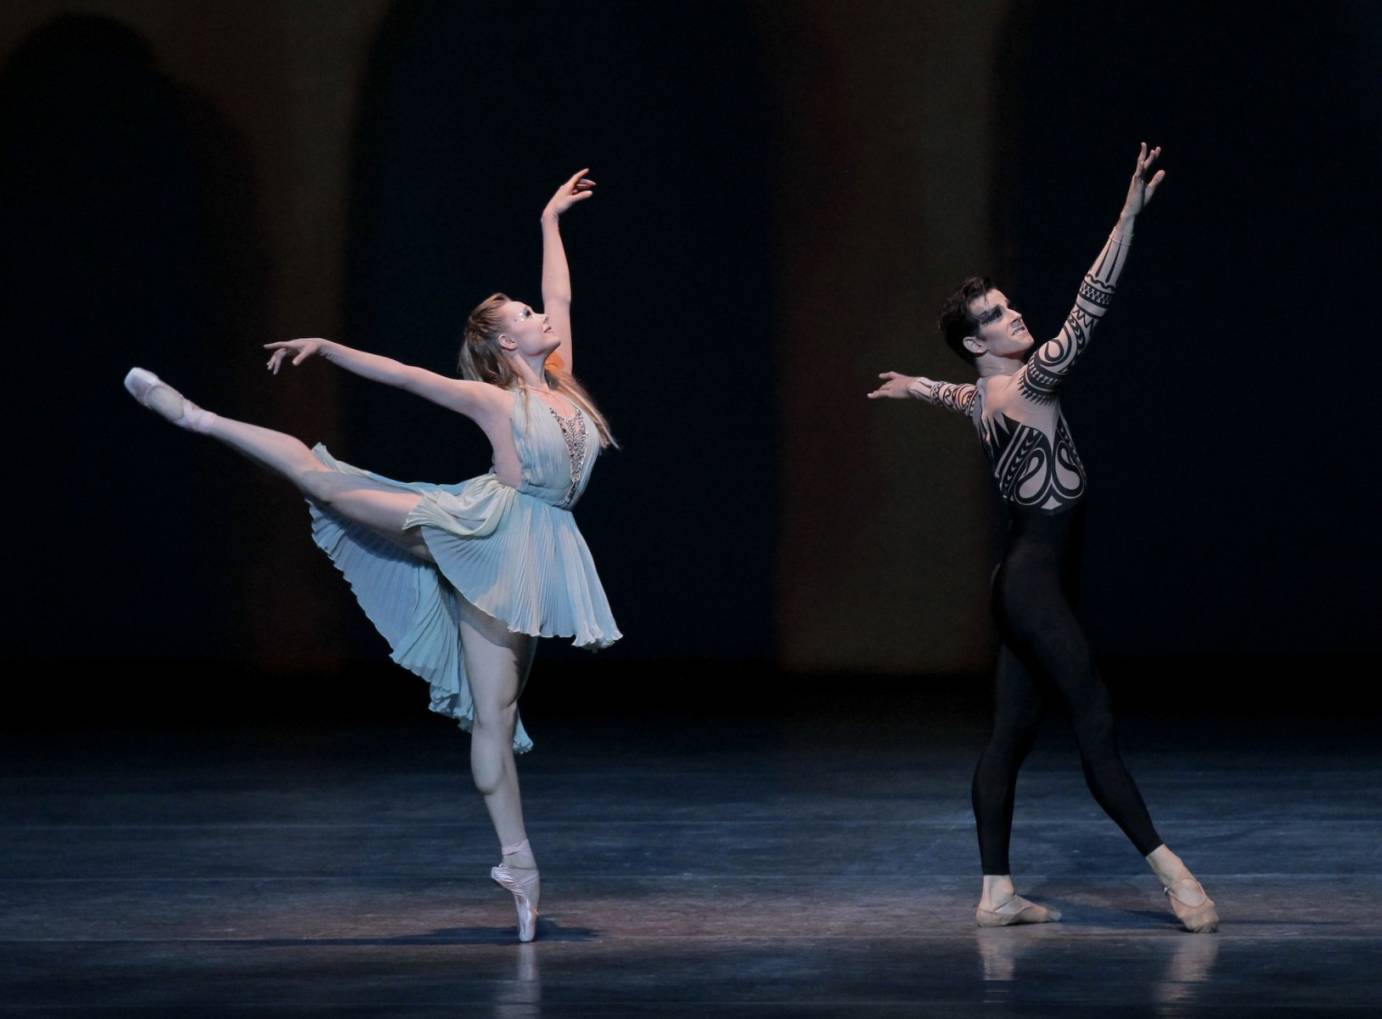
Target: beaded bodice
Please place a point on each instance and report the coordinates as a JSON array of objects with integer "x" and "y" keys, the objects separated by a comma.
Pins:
[
  {"x": 557, "y": 451},
  {"x": 573, "y": 431}
]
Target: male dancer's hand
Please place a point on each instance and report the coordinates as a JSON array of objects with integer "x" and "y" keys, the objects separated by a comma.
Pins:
[
  {"x": 1142, "y": 188},
  {"x": 894, "y": 386}
]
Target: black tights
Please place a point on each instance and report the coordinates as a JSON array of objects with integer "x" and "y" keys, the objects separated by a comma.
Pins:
[{"x": 1043, "y": 641}]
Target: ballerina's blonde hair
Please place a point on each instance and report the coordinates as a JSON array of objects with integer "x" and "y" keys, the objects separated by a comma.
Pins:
[{"x": 482, "y": 360}]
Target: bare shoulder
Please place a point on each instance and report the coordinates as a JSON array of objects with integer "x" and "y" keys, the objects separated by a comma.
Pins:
[
  {"x": 997, "y": 390},
  {"x": 1000, "y": 394},
  {"x": 490, "y": 400}
]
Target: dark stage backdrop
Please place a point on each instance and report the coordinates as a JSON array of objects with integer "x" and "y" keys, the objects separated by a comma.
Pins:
[
  {"x": 884, "y": 187},
  {"x": 470, "y": 116},
  {"x": 1224, "y": 410},
  {"x": 787, "y": 190}
]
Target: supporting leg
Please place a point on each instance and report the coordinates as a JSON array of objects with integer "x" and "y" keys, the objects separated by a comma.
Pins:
[
  {"x": 1016, "y": 720},
  {"x": 497, "y": 662}
]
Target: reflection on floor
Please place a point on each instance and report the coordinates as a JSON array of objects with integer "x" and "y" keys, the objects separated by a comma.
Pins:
[{"x": 812, "y": 865}]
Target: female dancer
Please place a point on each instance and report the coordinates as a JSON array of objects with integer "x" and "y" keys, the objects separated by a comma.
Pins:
[
  {"x": 1015, "y": 409},
  {"x": 462, "y": 579}
]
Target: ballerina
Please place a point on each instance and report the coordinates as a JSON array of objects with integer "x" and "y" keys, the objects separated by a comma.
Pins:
[
  {"x": 1015, "y": 409},
  {"x": 461, "y": 579}
]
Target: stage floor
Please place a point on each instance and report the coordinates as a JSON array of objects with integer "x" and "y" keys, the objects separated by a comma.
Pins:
[{"x": 805, "y": 866}]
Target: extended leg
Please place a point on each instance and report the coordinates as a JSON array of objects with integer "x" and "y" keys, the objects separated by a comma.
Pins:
[
  {"x": 1189, "y": 901},
  {"x": 361, "y": 500},
  {"x": 1064, "y": 655}
]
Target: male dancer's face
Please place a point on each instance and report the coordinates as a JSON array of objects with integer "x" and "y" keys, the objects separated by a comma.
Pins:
[{"x": 1000, "y": 329}]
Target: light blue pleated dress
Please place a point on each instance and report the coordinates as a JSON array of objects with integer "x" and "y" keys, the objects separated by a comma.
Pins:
[{"x": 515, "y": 553}]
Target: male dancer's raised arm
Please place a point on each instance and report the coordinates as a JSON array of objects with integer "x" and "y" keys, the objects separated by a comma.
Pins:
[{"x": 1048, "y": 367}]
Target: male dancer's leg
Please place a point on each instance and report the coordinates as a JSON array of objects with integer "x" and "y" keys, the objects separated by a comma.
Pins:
[
  {"x": 1017, "y": 712},
  {"x": 1044, "y": 633}
]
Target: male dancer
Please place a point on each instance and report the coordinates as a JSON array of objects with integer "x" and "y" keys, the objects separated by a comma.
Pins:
[{"x": 1015, "y": 408}]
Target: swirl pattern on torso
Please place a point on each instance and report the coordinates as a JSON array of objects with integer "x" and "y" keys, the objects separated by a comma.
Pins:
[{"x": 1031, "y": 467}]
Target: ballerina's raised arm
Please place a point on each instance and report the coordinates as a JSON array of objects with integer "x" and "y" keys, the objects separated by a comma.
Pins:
[{"x": 556, "y": 275}]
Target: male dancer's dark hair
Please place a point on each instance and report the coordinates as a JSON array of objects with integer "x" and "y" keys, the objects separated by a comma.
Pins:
[{"x": 956, "y": 322}]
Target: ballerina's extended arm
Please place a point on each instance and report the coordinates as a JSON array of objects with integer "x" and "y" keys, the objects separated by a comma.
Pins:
[
  {"x": 1043, "y": 373},
  {"x": 475, "y": 400},
  {"x": 556, "y": 275}
]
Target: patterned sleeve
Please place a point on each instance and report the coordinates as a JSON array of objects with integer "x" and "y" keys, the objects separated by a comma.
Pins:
[
  {"x": 952, "y": 396},
  {"x": 1048, "y": 367}
]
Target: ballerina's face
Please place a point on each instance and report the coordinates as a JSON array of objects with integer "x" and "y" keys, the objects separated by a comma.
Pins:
[
  {"x": 999, "y": 326},
  {"x": 530, "y": 333}
]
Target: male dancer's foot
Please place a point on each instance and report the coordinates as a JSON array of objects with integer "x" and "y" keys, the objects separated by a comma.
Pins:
[
  {"x": 1193, "y": 908},
  {"x": 167, "y": 402},
  {"x": 1001, "y": 906}
]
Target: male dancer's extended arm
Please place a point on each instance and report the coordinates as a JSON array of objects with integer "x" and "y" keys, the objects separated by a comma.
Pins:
[
  {"x": 958, "y": 397},
  {"x": 1048, "y": 367},
  {"x": 954, "y": 396}
]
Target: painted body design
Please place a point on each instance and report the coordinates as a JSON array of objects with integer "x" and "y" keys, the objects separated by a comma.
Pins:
[
  {"x": 1018, "y": 417},
  {"x": 1015, "y": 410},
  {"x": 1030, "y": 467},
  {"x": 1040, "y": 477}
]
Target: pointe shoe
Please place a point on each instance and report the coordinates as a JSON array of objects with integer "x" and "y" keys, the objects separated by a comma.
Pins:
[
  {"x": 1193, "y": 908},
  {"x": 1016, "y": 910},
  {"x": 525, "y": 885},
  {"x": 167, "y": 402}
]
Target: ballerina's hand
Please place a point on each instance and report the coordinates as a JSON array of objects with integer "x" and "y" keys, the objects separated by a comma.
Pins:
[
  {"x": 1142, "y": 188},
  {"x": 300, "y": 349},
  {"x": 577, "y": 189},
  {"x": 894, "y": 386}
]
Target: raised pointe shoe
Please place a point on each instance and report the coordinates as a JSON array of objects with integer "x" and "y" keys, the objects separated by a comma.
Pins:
[
  {"x": 525, "y": 885},
  {"x": 1193, "y": 908},
  {"x": 167, "y": 402},
  {"x": 1016, "y": 910}
]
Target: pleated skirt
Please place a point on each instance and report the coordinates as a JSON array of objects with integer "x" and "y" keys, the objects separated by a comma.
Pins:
[{"x": 515, "y": 557}]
